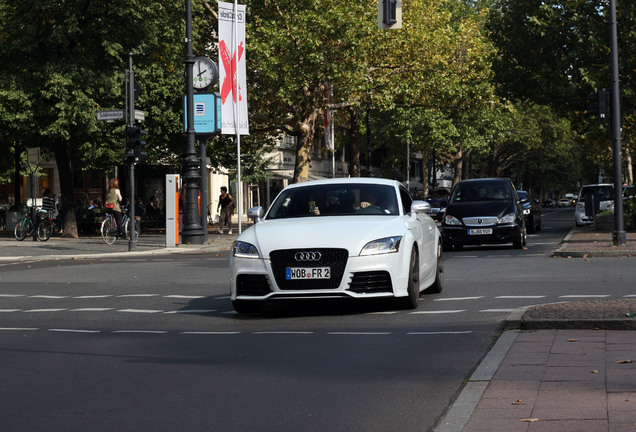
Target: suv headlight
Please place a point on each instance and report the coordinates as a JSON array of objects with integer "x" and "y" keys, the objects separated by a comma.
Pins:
[
  {"x": 382, "y": 246},
  {"x": 526, "y": 211},
  {"x": 244, "y": 250},
  {"x": 451, "y": 220},
  {"x": 509, "y": 218}
]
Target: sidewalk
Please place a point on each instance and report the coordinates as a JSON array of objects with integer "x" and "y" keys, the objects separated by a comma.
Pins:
[
  {"x": 153, "y": 243},
  {"x": 588, "y": 242},
  {"x": 556, "y": 368}
]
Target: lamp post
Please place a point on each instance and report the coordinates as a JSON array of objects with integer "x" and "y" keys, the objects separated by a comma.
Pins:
[
  {"x": 192, "y": 229},
  {"x": 619, "y": 237}
]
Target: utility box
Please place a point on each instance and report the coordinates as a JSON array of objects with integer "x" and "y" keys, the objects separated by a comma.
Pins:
[{"x": 172, "y": 210}]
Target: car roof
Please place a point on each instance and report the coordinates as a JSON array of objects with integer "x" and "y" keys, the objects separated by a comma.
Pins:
[
  {"x": 484, "y": 179},
  {"x": 348, "y": 180}
]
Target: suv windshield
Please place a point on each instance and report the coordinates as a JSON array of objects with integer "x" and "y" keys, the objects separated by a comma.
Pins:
[
  {"x": 335, "y": 200},
  {"x": 605, "y": 192},
  {"x": 487, "y": 190}
]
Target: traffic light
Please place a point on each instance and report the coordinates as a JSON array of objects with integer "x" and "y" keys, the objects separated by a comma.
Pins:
[
  {"x": 598, "y": 103},
  {"x": 134, "y": 144},
  {"x": 389, "y": 12}
]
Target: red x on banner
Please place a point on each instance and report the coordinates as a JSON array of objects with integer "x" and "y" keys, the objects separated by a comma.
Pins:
[{"x": 229, "y": 82}]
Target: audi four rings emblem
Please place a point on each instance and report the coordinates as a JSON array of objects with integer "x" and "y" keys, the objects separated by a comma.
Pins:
[{"x": 308, "y": 256}]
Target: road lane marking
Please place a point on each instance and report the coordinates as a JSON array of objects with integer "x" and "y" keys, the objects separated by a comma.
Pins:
[
  {"x": 137, "y": 295},
  {"x": 459, "y": 298},
  {"x": 90, "y": 309},
  {"x": 585, "y": 296},
  {"x": 192, "y": 311},
  {"x": 497, "y": 310},
  {"x": 10, "y": 310},
  {"x": 208, "y": 333},
  {"x": 441, "y": 333},
  {"x": 184, "y": 296},
  {"x": 358, "y": 333},
  {"x": 439, "y": 312},
  {"x": 12, "y": 295},
  {"x": 142, "y": 331},
  {"x": 93, "y": 296},
  {"x": 282, "y": 332},
  {"x": 149, "y": 311},
  {"x": 74, "y": 331},
  {"x": 521, "y": 297},
  {"x": 49, "y": 296},
  {"x": 45, "y": 310},
  {"x": 19, "y": 328}
]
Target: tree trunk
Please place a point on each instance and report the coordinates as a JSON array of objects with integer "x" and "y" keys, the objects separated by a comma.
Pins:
[
  {"x": 303, "y": 148},
  {"x": 67, "y": 215},
  {"x": 354, "y": 167},
  {"x": 458, "y": 163}
]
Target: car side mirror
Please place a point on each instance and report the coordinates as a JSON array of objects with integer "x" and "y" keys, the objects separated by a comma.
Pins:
[
  {"x": 420, "y": 207},
  {"x": 256, "y": 213}
]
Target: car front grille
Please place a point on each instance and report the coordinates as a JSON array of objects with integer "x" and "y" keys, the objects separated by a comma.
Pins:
[
  {"x": 252, "y": 285},
  {"x": 371, "y": 282},
  {"x": 480, "y": 221},
  {"x": 335, "y": 259}
]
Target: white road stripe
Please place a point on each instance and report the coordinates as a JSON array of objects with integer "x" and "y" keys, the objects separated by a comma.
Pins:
[
  {"x": 359, "y": 333},
  {"x": 90, "y": 309},
  {"x": 441, "y": 333},
  {"x": 141, "y": 331},
  {"x": 45, "y": 310},
  {"x": 74, "y": 331},
  {"x": 10, "y": 310},
  {"x": 439, "y": 312},
  {"x": 149, "y": 311},
  {"x": 459, "y": 298},
  {"x": 208, "y": 333},
  {"x": 521, "y": 297},
  {"x": 585, "y": 296},
  {"x": 19, "y": 328},
  {"x": 184, "y": 296},
  {"x": 497, "y": 310},
  {"x": 93, "y": 296},
  {"x": 282, "y": 332},
  {"x": 191, "y": 311},
  {"x": 48, "y": 296},
  {"x": 12, "y": 295},
  {"x": 137, "y": 295}
]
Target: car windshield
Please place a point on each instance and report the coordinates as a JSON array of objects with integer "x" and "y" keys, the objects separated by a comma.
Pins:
[
  {"x": 489, "y": 190},
  {"x": 338, "y": 199},
  {"x": 605, "y": 192},
  {"x": 523, "y": 195}
]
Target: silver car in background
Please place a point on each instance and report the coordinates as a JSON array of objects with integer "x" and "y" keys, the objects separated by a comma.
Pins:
[{"x": 593, "y": 199}]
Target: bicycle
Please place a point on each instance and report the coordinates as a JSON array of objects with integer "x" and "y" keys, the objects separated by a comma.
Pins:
[
  {"x": 109, "y": 229},
  {"x": 41, "y": 226}
]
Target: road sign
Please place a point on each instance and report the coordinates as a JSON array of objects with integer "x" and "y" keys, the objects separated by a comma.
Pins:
[
  {"x": 110, "y": 116},
  {"x": 140, "y": 115},
  {"x": 33, "y": 155}
]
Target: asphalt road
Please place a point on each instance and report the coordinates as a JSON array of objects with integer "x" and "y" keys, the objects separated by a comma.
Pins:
[{"x": 152, "y": 343}]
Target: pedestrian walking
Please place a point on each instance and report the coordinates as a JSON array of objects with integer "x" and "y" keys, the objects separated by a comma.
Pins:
[{"x": 226, "y": 206}]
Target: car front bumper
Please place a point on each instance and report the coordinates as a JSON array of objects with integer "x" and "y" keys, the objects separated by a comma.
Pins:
[{"x": 500, "y": 234}]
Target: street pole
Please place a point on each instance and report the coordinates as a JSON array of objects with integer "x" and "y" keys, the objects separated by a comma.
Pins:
[
  {"x": 204, "y": 188},
  {"x": 619, "y": 236},
  {"x": 192, "y": 229},
  {"x": 132, "y": 241}
]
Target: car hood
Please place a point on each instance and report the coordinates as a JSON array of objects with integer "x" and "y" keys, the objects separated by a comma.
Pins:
[
  {"x": 348, "y": 232},
  {"x": 476, "y": 209}
]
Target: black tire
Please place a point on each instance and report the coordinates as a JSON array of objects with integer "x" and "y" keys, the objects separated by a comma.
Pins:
[
  {"x": 518, "y": 241},
  {"x": 413, "y": 287},
  {"x": 21, "y": 229},
  {"x": 109, "y": 231},
  {"x": 438, "y": 285},
  {"x": 248, "y": 306},
  {"x": 44, "y": 229}
]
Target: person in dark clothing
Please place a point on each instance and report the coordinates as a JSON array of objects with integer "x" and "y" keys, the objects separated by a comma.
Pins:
[{"x": 226, "y": 204}]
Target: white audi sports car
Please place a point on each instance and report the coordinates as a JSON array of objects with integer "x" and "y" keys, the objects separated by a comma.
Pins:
[{"x": 357, "y": 238}]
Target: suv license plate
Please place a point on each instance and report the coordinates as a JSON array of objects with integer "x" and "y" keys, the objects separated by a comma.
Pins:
[
  {"x": 480, "y": 231},
  {"x": 307, "y": 273}
]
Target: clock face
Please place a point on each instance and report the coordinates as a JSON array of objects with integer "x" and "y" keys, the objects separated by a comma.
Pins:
[{"x": 204, "y": 73}]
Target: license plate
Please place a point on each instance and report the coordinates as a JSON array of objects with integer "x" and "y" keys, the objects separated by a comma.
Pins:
[
  {"x": 307, "y": 273},
  {"x": 480, "y": 231}
]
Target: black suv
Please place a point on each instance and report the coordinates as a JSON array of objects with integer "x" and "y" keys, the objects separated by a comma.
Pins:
[{"x": 484, "y": 211}]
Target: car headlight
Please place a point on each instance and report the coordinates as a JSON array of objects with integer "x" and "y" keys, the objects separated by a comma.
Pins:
[
  {"x": 526, "y": 211},
  {"x": 451, "y": 220},
  {"x": 244, "y": 250},
  {"x": 509, "y": 218},
  {"x": 382, "y": 246}
]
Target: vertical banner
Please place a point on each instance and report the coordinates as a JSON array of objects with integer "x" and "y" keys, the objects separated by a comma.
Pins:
[
  {"x": 328, "y": 93},
  {"x": 232, "y": 69}
]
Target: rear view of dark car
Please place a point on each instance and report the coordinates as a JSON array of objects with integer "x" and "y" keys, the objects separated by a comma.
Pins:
[{"x": 484, "y": 211}]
